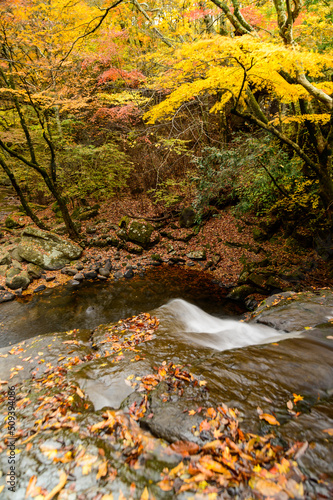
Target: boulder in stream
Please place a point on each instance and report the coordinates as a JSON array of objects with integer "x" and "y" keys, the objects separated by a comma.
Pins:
[
  {"x": 290, "y": 311},
  {"x": 6, "y": 296},
  {"x": 46, "y": 249}
]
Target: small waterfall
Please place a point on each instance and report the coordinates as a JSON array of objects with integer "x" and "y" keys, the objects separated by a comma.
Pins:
[{"x": 193, "y": 324}]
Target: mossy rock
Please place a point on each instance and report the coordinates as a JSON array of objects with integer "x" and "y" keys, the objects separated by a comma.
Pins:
[
  {"x": 88, "y": 214},
  {"x": 187, "y": 217},
  {"x": 122, "y": 234},
  {"x": 156, "y": 257},
  {"x": 124, "y": 222},
  {"x": 47, "y": 249},
  {"x": 241, "y": 292},
  {"x": 259, "y": 235},
  {"x": 15, "y": 279},
  {"x": 140, "y": 232},
  {"x": 257, "y": 280},
  {"x": 10, "y": 223}
]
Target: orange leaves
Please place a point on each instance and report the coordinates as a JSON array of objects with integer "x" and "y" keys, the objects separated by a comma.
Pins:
[
  {"x": 31, "y": 488},
  {"x": 109, "y": 422},
  {"x": 297, "y": 398},
  {"x": 140, "y": 329},
  {"x": 102, "y": 470},
  {"x": 269, "y": 418},
  {"x": 204, "y": 426},
  {"x": 265, "y": 487},
  {"x": 185, "y": 448},
  {"x": 165, "y": 485},
  {"x": 131, "y": 78},
  {"x": 59, "y": 487},
  {"x": 329, "y": 431},
  {"x": 208, "y": 463}
]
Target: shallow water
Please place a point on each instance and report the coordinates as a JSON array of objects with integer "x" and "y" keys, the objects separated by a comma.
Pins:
[
  {"x": 91, "y": 304},
  {"x": 245, "y": 365}
]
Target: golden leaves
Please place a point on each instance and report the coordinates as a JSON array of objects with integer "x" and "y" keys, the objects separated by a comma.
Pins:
[
  {"x": 219, "y": 64},
  {"x": 297, "y": 398},
  {"x": 59, "y": 487},
  {"x": 269, "y": 418}
]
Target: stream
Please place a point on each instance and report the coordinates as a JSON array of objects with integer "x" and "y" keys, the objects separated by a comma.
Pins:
[{"x": 246, "y": 366}]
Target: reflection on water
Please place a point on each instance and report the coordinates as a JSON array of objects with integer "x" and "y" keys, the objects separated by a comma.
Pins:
[{"x": 92, "y": 304}]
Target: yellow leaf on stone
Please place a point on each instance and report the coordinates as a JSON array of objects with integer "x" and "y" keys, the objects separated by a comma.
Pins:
[
  {"x": 102, "y": 470},
  {"x": 329, "y": 431},
  {"x": 265, "y": 487},
  {"x": 269, "y": 418},
  {"x": 79, "y": 392},
  {"x": 59, "y": 487},
  {"x": 297, "y": 398},
  {"x": 145, "y": 494}
]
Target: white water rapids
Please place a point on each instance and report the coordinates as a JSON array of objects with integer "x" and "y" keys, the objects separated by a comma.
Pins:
[{"x": 193, "y": 324}]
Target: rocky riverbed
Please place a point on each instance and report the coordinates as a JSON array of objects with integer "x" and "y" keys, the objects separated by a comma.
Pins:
[{"x": 144, "y": 408}]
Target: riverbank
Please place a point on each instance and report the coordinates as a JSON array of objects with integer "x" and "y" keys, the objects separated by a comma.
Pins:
[{"x": 224, "y": 247}]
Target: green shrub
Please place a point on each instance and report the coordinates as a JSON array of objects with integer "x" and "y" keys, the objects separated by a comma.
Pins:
[{"x": 255, "y": 174}]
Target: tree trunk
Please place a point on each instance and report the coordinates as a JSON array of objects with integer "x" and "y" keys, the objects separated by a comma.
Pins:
[
  {"x": 73, "y": 234},
  {"x": 20, "y": 194}
]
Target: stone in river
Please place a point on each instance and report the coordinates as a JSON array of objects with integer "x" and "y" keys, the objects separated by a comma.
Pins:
[
  {"x": 129, "y": 273},
  {"x": 6, "y": 296},
  {"x": 104, "y": 272},
  {"x": 90, "y": 275},
  {"x": 78, "y": 277},
  {"x": 34, "y": 271}
]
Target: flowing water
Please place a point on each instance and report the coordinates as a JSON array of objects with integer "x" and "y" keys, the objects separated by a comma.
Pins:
[
  {"x": 196, "y": 326},
  {"x": 245, "y": 365}
]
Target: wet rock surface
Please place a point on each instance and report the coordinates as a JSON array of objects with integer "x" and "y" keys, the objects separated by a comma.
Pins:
[
  {"x": 158, "y": 388},
  {"x": 15, "y": 279},
  {"x": 46, "y": 249},
  {"x": 290, "y": 311}
]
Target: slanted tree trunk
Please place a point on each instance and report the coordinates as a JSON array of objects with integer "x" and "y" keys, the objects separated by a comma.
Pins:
[{"x": 20, "y": 194}]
